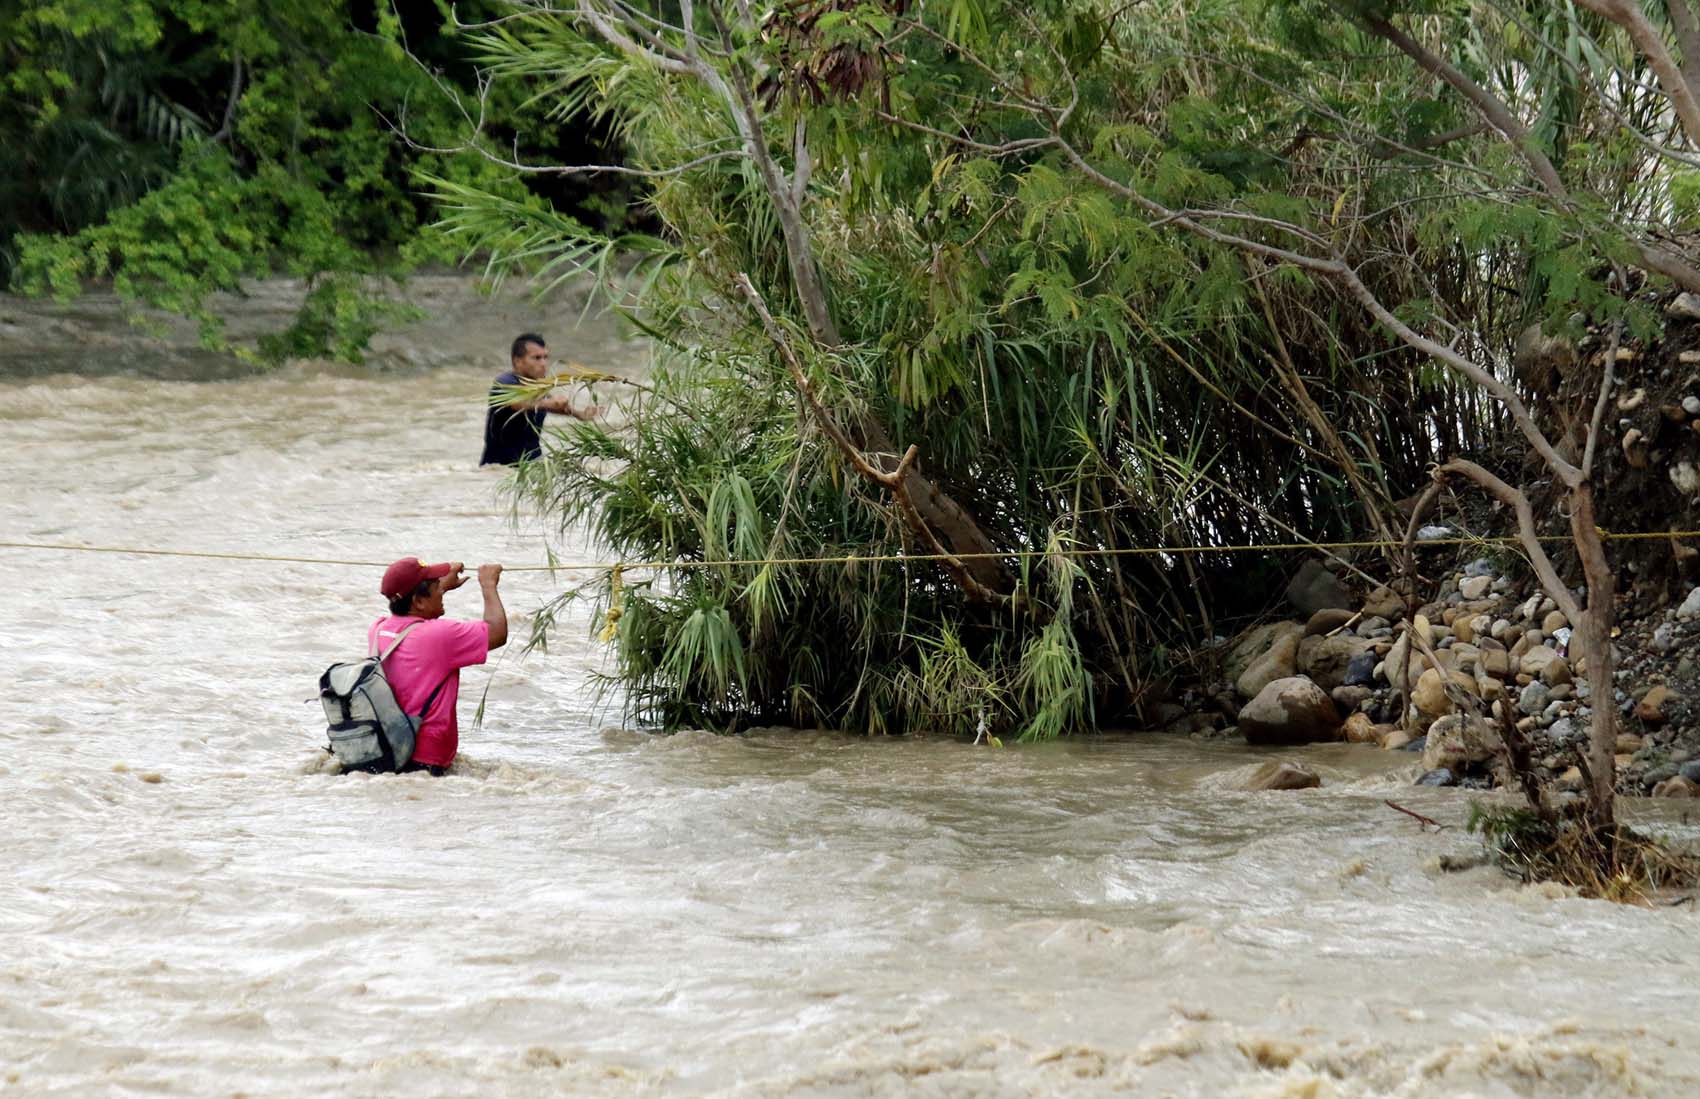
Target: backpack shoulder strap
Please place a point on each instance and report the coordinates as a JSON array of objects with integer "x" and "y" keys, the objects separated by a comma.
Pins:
[
  {"x": 432, "y": 697},
  {"x": 405, "y": 630}
]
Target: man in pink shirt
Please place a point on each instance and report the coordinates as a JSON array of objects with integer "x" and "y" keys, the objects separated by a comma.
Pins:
[{"x": 424, "y": 670}]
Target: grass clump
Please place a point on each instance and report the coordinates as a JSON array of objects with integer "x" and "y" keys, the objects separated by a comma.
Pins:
[{"x": 1617, "y": 864}]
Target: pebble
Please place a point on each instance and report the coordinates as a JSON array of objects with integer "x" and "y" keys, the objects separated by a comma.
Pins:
[
  {"x": 1652, "y": 776},
  {"x": 1360, "y": 670}
]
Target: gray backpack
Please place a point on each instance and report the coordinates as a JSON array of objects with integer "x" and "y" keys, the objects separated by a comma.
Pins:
[{"x": 369, "y": 731}]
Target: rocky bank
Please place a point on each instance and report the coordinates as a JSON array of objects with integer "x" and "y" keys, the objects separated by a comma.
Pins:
[{"x": 1343, "y": 666}]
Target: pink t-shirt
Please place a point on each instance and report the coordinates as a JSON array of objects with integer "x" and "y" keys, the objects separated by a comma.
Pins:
[{"x": 432, "y": 653}]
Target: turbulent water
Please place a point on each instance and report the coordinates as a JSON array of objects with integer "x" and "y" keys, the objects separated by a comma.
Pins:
[{"x": 581, "y": 908}]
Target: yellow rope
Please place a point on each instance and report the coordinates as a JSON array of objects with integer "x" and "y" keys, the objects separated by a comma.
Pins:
[{"x": 627, "y": 566}]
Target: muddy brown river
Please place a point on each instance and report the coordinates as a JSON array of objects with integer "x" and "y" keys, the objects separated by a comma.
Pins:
[{"x": 582, "y": 908}]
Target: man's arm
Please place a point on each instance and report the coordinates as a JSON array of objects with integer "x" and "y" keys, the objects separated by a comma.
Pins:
[
  {"x": 565, "y": 408},
  {"x": 495, "y": 616}
]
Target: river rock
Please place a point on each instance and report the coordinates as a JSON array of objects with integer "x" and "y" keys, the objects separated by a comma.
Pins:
[
  {"x": 1553, "y": 622},
  {"x": 1429, "y": 695},
  {"x": 1292, "y": 710},
  {"x": 1328, "y": 620},
  {"x": 1684, "y": 307},
  {"x": 1314, "y": 588},
  {"x": 1283, "y": 775},
  {"x": 1384, "y": 603},
  {"x": 1360, "y": 671},
  {"x": 1360, "y": 729},
  {"x": 1395, "y": 667},
  {"x": 1326, "y": 659},
  {"x": 1489, "y": 688},
  {"x": 1347, "y": 699},
  {"x": 1677, "y": 787},
  {"x": 1652, "y": 776},
  {"x": 1278, "y": 661},
  {"x": 1534, "y": 698},
  {"x": 1395, "y": 738},
  {"x": 1458, "y": 740},
  {"x": 1474, "y": 587},
  {"x": 1248, "y": 646},
  {"x": 1690, "y": 607},
  {"x": 1534, "y": 659},
  {"x": 1440, "y": 776},
  {"x": 1651, "y": 708}
]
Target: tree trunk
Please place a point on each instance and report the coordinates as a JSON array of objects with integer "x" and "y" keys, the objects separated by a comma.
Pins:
[{"x": 1594, "y": 633}]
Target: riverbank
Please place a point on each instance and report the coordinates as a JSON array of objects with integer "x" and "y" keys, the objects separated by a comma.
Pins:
[
  {"x": 444, "y": 320},
  {"x": 1343, "y": 663}
]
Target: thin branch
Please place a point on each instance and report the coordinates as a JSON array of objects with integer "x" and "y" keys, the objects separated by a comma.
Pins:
[
  {"x": 1339, "y": 270},
  {"x": 1492, "y": 109},
  {"x": 1687, "y": 38},
  {"x": 223, "y": 133},
  {"x": 1632, "y": 19},
  {"x": 1602, "y": 399},
  {"x": 1527, "y": 533},
  {"x": 662, "y": 58},
  {"x": 894, "y": 481},
  {"x": 1007, "y": 148},
  {"x": 1420, "y": 819}
]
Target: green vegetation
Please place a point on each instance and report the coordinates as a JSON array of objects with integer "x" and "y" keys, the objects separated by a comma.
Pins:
[
  {"x": 1122, "y": 277},
  {"x": 178, "y": 149}
]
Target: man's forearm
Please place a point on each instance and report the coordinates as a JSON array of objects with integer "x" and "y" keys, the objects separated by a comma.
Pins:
[{"x": 495, "y": 616}]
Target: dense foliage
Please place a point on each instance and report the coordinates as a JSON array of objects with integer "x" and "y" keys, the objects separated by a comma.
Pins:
[
  {"x": 1126, "y": 279},
  {"x": 180, "y": 148}
]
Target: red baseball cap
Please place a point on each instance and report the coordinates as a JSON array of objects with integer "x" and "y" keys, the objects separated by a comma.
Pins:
[{"x": 402, "y": 577}]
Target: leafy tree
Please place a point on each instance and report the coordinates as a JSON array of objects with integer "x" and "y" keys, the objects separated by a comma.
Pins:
[{"x": 179, "y": 149}]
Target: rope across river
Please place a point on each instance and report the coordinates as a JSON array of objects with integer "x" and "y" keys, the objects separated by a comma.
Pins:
[{"x": 846, "y": 559}]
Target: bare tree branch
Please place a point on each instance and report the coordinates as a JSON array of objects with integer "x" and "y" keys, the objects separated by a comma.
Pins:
[
  {"x": 223, "y": 133},
  {"x": 1632, "y": 19},
  {"x": 1528, "y": 535},
  {"x": 895, "y": 481},
  {"x": 1687, "y": 29}
]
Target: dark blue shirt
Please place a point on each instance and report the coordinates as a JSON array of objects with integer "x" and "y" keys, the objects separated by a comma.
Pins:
[{"x": 511, "y": 434}]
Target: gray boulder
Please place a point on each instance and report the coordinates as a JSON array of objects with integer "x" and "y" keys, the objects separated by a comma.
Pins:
[
  {"x": 1278, "y": 661},
  {"x": 1290, "y": 711},
  {"x": 1327, "y": 659},
  {"x": 1314, "y": 589}
]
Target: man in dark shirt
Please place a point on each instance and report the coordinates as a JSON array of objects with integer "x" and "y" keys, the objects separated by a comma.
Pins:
[{"x": 511, "y": 431}]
